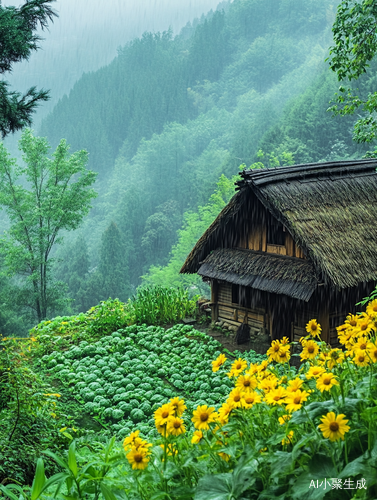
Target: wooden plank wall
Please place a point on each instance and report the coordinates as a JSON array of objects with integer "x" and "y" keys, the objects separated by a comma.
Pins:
[
  {"x": 234, "y": 314},
  {"x": 256, "y": 239}
]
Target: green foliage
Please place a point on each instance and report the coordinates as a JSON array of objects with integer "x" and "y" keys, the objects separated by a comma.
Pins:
[
  {"x": 156, "y": 305},
  {"x": 195, "y": 223},
  {"x": 18, "y": 28},
  {"x": 355, "y": 46},
  {"x": 56, "y": 198},
  {"x": 30, "y": 415}
]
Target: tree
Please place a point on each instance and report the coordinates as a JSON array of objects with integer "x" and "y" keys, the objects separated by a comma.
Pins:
[
  {"x": 57, "y": 196},
  {"x": 113, "y": 265},
  {"x": 355, "y": 30},
  {"x": 18, "y": 40}
]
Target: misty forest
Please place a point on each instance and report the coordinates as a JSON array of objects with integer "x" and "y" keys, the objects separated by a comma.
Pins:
[{"x": 188, "y": 250}]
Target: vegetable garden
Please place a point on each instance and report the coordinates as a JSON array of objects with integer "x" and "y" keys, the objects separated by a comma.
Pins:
[{"x": 181, "y": 420}]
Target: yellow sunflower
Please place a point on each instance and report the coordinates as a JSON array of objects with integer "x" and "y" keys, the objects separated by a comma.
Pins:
[
  {"x": 371, "y": 309},
  {"x": 351, "y": 320},
  {"x": 273, "y": 350},
  {"x": 276, "y": 396},
  {"x": 283, "y": 356},
  {"x": 162, "y": 414},
  {"x": 197, "y": 437},
  {"x": 314, "y": 372},
  {"x": 313, "y": 328},
  {"x": 268, "y": 384},
  {"x": 138, "y": 458},
  {"x": 175, "y": 426},
  {"x": 218, "y": 362},
  {"x": 288, "y": 439},
  {"x": 203, "y": 416},
  {"x": 373, "y": 351},
  {"x": 178, "y": 406},
  {"x": 326, "y": 381},
  {"x": 310, "y": 350},
  {"x": 295, "y": 399},
  {"x": 249, "y": 399},
  {"x": 237, "y": 367},
  {"x": 361, "y": 357},
  {"x": 234, "y": 398},
  {"x": 335, "y": 356},
  {"x": 365, "y": 324},
  {"x": 246, "y": 382},
  {"x": 130, "y": 440},
  {"x": 262, "y": 366},
  {"x": 333, "y": 427},
  {"x": 224, "y": 412},
  {"x": 294, "y": 384},
  {"x": 284, "y": 418},
  {"x": 361, "y": 343}
]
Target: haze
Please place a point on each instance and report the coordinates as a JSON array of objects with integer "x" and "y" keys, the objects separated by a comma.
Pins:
[{"x": 87, "y": 34}]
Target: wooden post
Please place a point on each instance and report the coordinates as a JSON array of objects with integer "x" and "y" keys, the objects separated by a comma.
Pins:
[
  {"x": 214, "y": 300},
  {"x": 324, "y": 321}
]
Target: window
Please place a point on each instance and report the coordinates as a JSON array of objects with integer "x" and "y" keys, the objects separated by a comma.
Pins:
[{"x": 275, "y": 234}]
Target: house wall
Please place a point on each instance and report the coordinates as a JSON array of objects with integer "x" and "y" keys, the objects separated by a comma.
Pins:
[
  {"x": 255, "y": 238},
  {"x": 234, "y": 313},
  {"x": 267, "y": 317}
]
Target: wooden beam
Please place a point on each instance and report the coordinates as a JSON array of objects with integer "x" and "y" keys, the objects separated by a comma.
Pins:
[
  {"x": 289, "y": 245},
  {"x": 214, "y": 299}
]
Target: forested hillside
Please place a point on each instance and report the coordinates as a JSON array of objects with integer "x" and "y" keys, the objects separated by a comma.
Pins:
[{"x": 170, "y": 115}]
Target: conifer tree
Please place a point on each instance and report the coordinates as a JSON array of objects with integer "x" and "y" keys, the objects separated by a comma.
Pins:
[{"x": 18, "y": 40}]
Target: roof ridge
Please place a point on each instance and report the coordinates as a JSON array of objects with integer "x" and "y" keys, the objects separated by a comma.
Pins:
[{"x": 304, "y": 172}]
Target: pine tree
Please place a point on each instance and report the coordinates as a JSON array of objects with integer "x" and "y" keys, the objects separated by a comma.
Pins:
[{"x": 18, "y": 40}]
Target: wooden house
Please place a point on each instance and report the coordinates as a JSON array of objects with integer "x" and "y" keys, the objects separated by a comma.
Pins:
[{"x": 293, "y": 244}]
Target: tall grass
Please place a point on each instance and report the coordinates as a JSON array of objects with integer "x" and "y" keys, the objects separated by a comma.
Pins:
[{"x": 156, "y": 305}]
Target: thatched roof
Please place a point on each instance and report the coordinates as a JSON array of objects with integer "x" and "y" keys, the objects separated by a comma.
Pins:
[
  {"x": 330, "y": 209},
  {"x": 266, "y": 272}
]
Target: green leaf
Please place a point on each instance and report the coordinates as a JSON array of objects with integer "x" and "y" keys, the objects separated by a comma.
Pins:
[
  {"x": 39, "y": 480},
  {"x": 108, "y": 494},
  {"x": 8, "y": 493},
  {"x": 320, "y": 468},
  {"x": 217, "y": 487},
  {"x": 72, "y": 463}
]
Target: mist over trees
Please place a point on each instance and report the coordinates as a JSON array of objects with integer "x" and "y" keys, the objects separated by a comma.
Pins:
[{"x": 172, "y": 114}]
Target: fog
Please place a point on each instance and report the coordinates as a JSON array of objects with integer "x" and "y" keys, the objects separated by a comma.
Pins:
[{"x": 86, "y": 36}]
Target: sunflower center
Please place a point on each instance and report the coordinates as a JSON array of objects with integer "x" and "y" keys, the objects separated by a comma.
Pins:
[
  {"x": 363, "y": 326},
  {"x": 283, "y": 354},
  {"x": 238, "y": 366},
  {"x": 361, "y": 358},
  {"x": 277, "y": 397},
  {"x": 236, "y": 398},
  {"x": 297, "y": 400},
  {"x": 311, "y": 349},
  {"x": 314, "y": 328},
  {"x": 249, "y": 401},
  {"x": 353, "y": 322},
  {"x": 334, "y": 426},
  {"x": 246, "y": 383},
  {"x": 363, "y": 346},
  {"x": 138, "y": 457},
  {"x": 276, "y": 347},
  {"x": 327, "y": 380},
  {"x": 164, "y": 414},
  {"x": 204, "y": 417},
  {"x": 177, "y": 425},
  {"x": 375, "y": 308}
]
